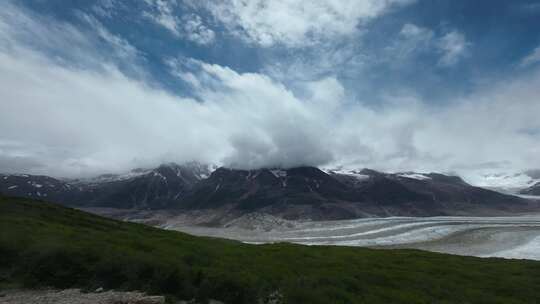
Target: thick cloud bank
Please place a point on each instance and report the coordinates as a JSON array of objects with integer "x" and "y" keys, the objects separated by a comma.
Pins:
[{"x": 61, "y": 119}]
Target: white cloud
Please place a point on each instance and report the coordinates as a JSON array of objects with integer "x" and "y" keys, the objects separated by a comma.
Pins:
[
  {"x": 123, "y": 49},
  {"x": 63, "y": 120},
  {"x": 164, "y": 15},
  {"x": 106, "y": 8},
  {"x": 453, "y": 47},
  {"x": 63, "y": 42},
  {"x": 296, "y": 23},
  {"x": 318, "y": 62},
  {"x": 532, "y": 58},
  {"x": 412, "y": 38},
  {"x": 411, "y": 30},
  {"x": 196, "y": 31},
  {"x": 416, "y": 33},
  {"x": 18, "y": 27},
  {"x": 190, "y": 26}
]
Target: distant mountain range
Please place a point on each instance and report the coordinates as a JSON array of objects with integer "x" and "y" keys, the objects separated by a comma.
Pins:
[
  {"x": 532, "y": 190},
  {"x": 296, "y": 193}
]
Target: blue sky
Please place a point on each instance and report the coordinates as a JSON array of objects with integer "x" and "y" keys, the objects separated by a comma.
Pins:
[
  {"x": 396, "y": 84},
  {"x": 491, "y": 41}
]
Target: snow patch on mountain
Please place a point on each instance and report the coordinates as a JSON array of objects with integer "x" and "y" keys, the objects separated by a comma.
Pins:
[
  {"x": 411, "y": 175},
  {"x": 108, "y": 178},
  {"x": 279, "y": 173},
  {"x": 357, "y": 174}
]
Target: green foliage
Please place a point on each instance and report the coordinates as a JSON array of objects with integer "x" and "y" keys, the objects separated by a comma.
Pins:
[{"x": 43, "y": 244}]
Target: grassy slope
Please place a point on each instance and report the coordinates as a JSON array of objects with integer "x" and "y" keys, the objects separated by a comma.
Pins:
[{"x": 45, "y": 244}]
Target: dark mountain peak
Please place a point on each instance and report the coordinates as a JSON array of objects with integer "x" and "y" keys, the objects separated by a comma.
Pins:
[
  {"x": 308, "y": 172},
  {"x": 447, "y": 178},
  {"x": 169, "y": 170},
  {"x": 107, "y": 175},
  {"x": 371, "y": 172},
  {"x": 260, "y": 177},
  {"x": 315, "y": 180},
  {"x": 228, "y": 173},
  {"x": 271, "y": 175},
  {"x": 260, "y": 188}
]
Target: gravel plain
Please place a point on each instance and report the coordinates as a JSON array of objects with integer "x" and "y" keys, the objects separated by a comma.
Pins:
[
  {"x": 507, "y": 237},
  {"x": 75, "y": 296},
  {"x": 515, "y": 237}
]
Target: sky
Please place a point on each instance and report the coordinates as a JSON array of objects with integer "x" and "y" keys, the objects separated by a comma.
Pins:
[{"x": 91, "y": 87}]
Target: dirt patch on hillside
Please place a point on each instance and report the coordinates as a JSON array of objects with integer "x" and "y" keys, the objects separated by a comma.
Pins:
[{"x": 75, "y": 296}]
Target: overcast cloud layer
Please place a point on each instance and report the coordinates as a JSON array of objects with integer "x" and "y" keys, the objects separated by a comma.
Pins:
[{"x": 79, "y": 101}]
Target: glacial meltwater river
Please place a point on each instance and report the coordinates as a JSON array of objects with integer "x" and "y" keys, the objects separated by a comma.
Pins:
[{"x": 508, "y": 237}]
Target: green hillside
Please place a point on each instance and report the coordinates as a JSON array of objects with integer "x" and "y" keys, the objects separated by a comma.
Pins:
[{"x": 43, "y": 244}]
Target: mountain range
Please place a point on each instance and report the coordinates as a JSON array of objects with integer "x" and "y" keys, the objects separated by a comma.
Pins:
[
  {"x": 158, "y": 188},
  {"x": 295, "y": 193}
]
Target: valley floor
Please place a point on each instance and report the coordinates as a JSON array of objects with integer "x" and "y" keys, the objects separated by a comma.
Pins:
[{"x": 508, "y": 237}]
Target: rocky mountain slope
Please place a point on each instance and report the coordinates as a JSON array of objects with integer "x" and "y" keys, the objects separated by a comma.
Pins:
[
  {"x": 37, "y": 186},
  {"x": 157, "y": 188},
  {"x": 296, "y": 193},
  {"x": 309, "y": 193}
]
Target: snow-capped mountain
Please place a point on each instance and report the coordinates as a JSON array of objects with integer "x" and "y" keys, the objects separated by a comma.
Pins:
[
  {"x": 35, "y": 186},
  {"x": 509, "y": 182},
  {"x": 295, "y": 193},
  {"x": 156, "y": 188},
  {"x": 191, "y": 171},
  {"x": 309, "y": 193}
]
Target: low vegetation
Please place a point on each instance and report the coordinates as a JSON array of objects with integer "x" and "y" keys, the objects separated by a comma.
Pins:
[{"x": 46, "y": 245}]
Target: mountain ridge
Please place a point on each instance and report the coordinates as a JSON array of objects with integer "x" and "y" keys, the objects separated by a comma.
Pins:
[{"x": 295, "y": 193}]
